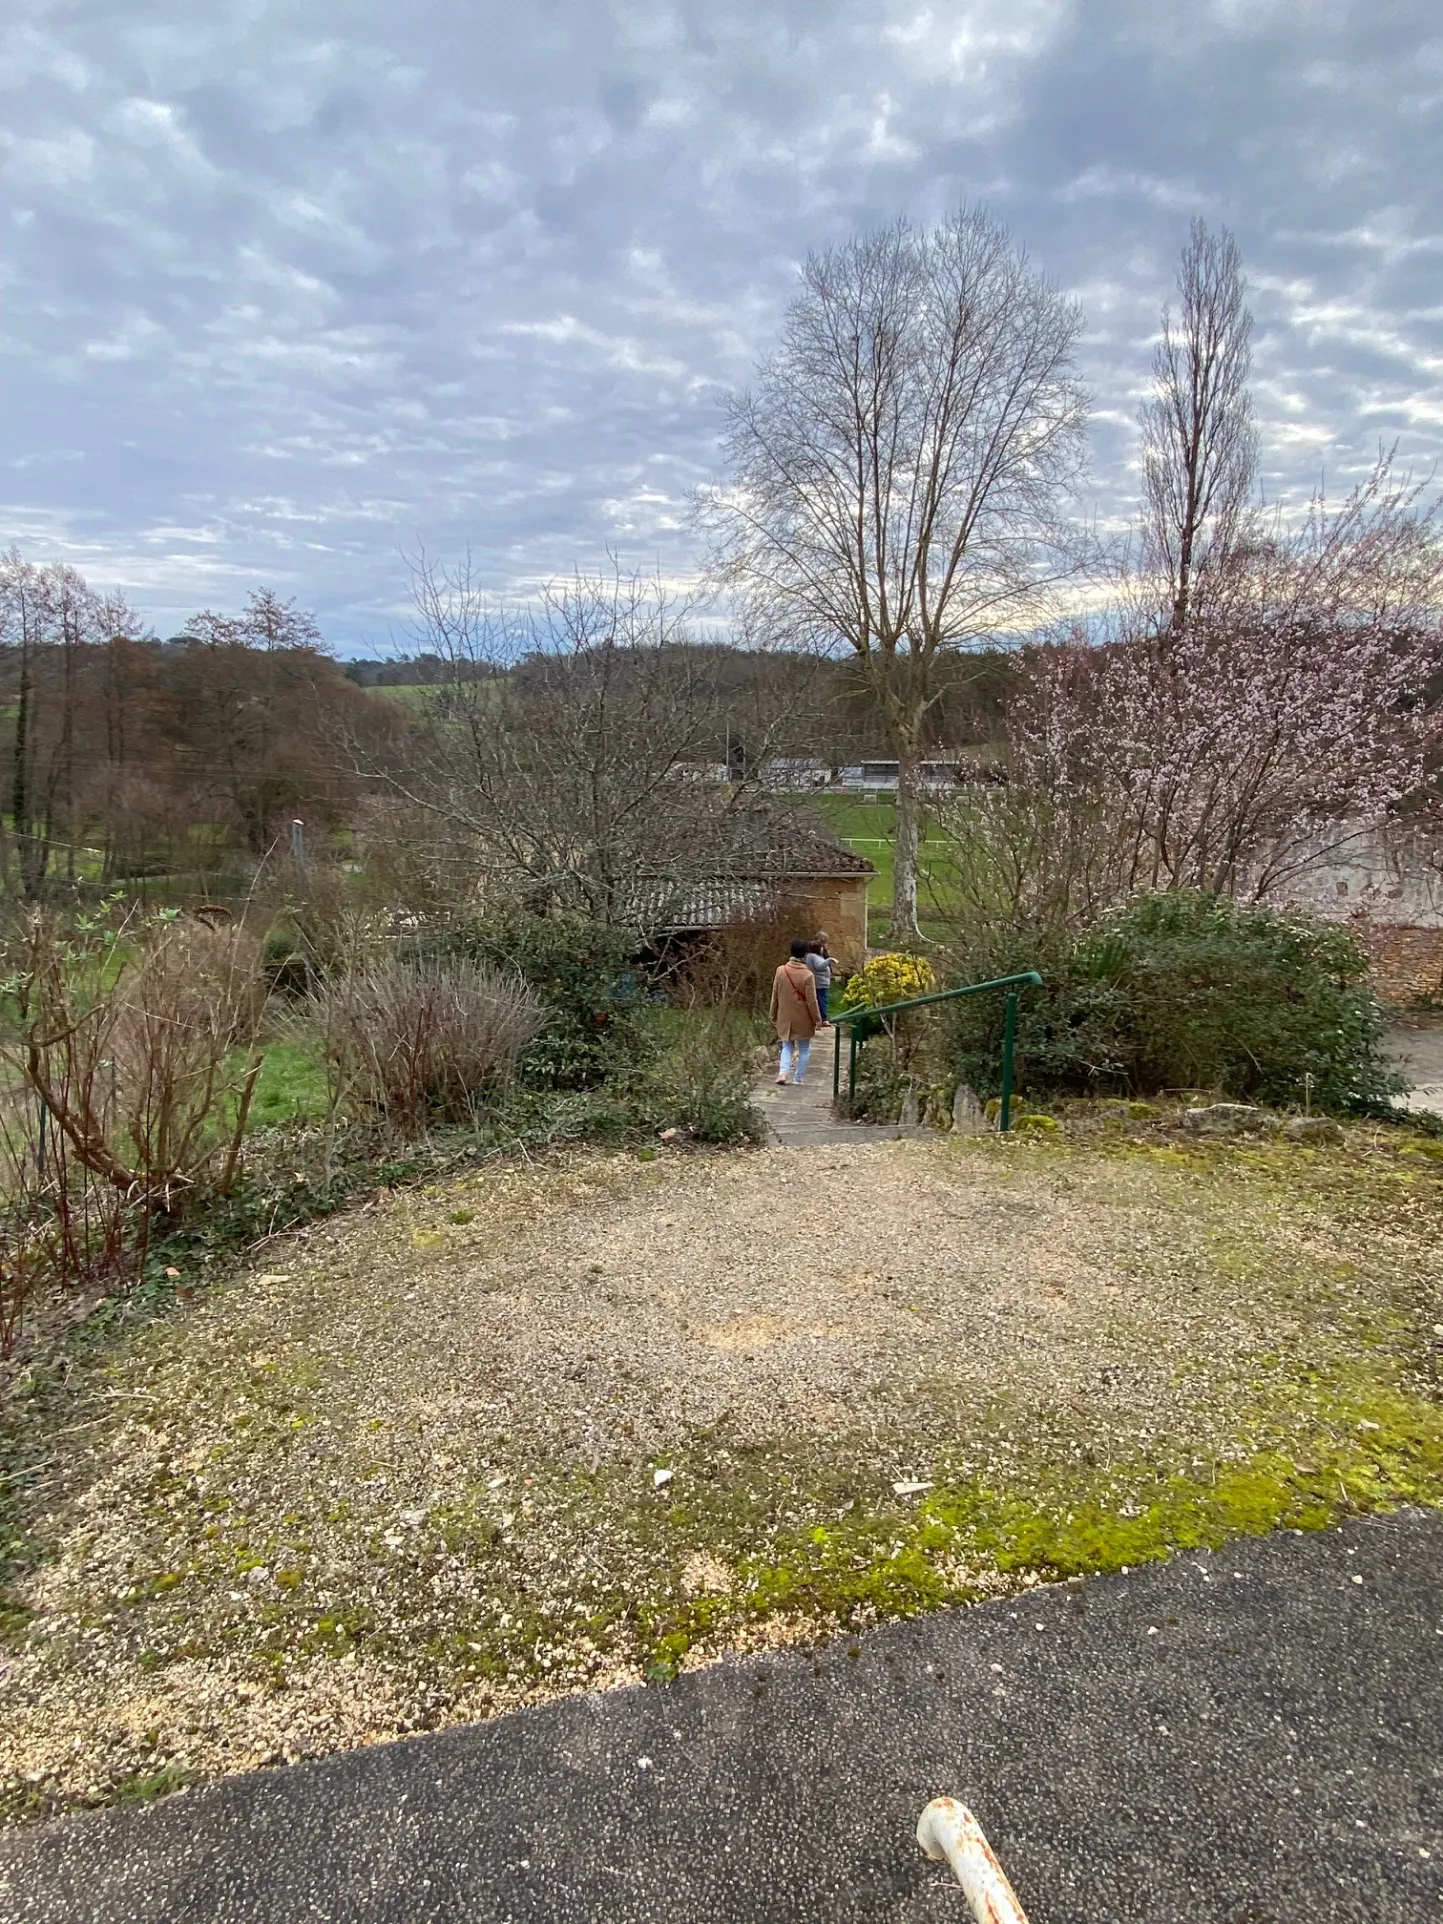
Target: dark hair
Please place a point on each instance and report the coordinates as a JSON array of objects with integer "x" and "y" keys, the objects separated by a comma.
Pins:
[{"x": 799, "y": 949}]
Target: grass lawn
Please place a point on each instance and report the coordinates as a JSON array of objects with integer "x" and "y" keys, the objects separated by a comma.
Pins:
[
  {"x": 588, "y": 1420},
  {"x": 291, "y": 1086},
  {"x": 870, "y": 827}
]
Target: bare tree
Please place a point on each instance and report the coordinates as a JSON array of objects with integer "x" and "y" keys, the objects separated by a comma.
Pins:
[
  {"x": 567, "y": 745},
  {"x": 271, "y": 623},
  {"x": 897, "y": 470},
  {"x": 1199, "y": 445},
  {"x": 52, "y": 625}
]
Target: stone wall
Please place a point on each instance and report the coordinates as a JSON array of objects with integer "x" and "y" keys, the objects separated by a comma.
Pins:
[
  {"x": 1389, "y": 891},
  {"x": 838, "y": 904},
  {"x": 1396, "y": 880},
  {"x": 1407, "y": 962}
]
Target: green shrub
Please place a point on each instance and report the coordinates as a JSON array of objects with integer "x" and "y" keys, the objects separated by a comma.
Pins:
[
  {"x": 288, "y": 965},
  {"x": 705, "y": 1080},
  {"x": 581, "y": 972},
  {"x": 1177, "y": 990}
]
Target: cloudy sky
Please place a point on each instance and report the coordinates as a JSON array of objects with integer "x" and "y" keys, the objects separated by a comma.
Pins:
[{"x": 290, "y": 286}]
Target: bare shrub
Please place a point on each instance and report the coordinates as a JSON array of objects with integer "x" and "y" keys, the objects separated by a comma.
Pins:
[
  {"x": 132, "y": 1053},
  {"x": 732, "y": 968},
  {"x": 416, "y": 1043},
  {"x": 62, "y": 1230},
  {"x": 141, "y": 1050},
  {"x": 705, "y": 1081}
]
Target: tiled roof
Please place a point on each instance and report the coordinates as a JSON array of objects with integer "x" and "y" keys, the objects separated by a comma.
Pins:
[{"x": 759, "y": 837}]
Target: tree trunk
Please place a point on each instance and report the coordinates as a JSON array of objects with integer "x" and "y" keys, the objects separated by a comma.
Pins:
[
  {"x": 20, "y": 805},
  {"x": 904, "y": 851}
]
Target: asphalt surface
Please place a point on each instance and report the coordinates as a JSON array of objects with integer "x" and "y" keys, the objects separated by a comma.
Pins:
[
  {"x": 1418, "y": 1052},
  {"x": 1249, "y": 1738}
]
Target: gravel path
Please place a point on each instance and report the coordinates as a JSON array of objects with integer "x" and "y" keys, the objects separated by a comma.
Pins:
[{"x": 547, "y": 1427}]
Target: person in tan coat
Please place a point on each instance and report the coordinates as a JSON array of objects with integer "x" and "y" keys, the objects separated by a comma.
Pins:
[{"x": 796, "y": 1016}]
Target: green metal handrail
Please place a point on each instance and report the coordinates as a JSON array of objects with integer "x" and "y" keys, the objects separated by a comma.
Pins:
[{"x": 1009, "y": 1033}]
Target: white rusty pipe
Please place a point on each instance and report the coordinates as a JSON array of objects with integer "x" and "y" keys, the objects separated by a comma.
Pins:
[{"x": 948, "y": 1829}]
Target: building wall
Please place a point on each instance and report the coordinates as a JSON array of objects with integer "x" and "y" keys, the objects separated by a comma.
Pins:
[
  {"x": 1407, "y": 962},
  {"x": 1389, "y": 890},
  {"x": 1394, "y": 880},
  {"x": 837, "y": 904}
]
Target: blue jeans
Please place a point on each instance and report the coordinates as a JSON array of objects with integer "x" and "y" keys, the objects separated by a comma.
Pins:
[
  {"x": 824, "y": 989},
  {"x": 802, "y": 1051}
]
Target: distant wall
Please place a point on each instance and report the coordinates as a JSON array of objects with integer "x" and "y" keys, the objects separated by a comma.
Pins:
[
  {"x": 837, "y": 904},
  {"x": 1390, "y": 892},
  {"x": 1407, "y": 962},
  {"x": 1395, "y": 880}
]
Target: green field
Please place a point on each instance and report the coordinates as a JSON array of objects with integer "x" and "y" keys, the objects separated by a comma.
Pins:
[
  {"x": 869, "y": 826},
  {"x": 411, "y": 695}
]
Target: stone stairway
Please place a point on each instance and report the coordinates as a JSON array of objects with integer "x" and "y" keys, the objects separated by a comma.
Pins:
[{"x": 803, "y": 1118}]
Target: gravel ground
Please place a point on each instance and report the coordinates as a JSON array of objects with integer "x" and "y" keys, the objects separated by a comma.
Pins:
[{"x": 564, "y": 1426}]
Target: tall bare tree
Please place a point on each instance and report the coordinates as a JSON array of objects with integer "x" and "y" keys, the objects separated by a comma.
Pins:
[
  {"x": 898, "y": 468},
  {"x": 1199, "y": 445},
  {"x": 268, "y": 622}
]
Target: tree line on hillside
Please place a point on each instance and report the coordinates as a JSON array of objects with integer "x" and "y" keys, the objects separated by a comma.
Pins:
[{"x": 123, "y": 756}]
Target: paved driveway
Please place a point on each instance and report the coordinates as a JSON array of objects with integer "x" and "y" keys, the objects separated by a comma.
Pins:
[
  {"x": 1418, "y": 1053},
  {"x": 1251, "y": 1738}
]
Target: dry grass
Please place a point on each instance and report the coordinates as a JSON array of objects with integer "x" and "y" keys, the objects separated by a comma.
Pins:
[{"x": 408, "y": 1475}]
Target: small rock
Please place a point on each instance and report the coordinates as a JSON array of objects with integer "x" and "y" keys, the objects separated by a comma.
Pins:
[
  {"x": 1223, "y": 1119},
  {"x": 968, "y": 1116},
  {"x": 909, "y": 1489},
  {"x": 1312, "y": 1129},
  {"x": 660, "y": 1478}
]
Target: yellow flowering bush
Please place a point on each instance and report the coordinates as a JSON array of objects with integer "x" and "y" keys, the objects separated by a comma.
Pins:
[{"x": 894, "y": 977}]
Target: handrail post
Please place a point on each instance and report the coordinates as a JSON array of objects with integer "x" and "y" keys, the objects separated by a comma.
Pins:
[
  {"x": 852, "y": 1017},
  {"x": 1009, "y": 1039}
]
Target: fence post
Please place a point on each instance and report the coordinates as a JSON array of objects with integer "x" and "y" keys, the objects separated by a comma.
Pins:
[
  {"x": 1009, "y": 1039},
  {"x": 852, "y": 1068},
  {"x": 298, "y": 855},
  {"x": 837, "y": 1059}
]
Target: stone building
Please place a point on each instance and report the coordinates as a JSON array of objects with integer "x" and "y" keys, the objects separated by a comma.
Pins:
[
  {"x": 776, "y": 863},
  {"x": 1389, "y": 888}
]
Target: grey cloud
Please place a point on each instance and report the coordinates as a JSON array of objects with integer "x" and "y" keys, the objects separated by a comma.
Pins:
[{"x": 291, "y": 284}]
